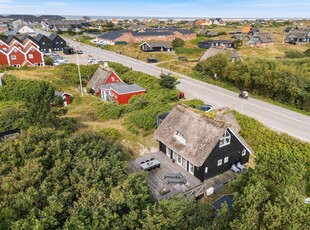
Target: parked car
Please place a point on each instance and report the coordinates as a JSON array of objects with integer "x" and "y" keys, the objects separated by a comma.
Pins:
[
  {"x": 79, "y": 51},
  {"x": 152, "y": 60},
  {"x": 93, "y": 60},
  {"x": 47, "y": 53},
  {"x": 206, "y": 108}
]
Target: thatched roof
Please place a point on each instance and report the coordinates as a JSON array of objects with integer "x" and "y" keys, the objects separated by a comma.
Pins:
[
  {"x": 98, "y": 79},
  {"x": 212, "y": 51},
  {"x": 200, "y": 131},
  {"x": 226, "y": 115}
]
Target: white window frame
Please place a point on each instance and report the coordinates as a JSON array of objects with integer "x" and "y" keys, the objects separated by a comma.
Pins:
[
  {"x": 184, "y": 163},
  {"x": 174, "y": 156},
  {"x": 243, "y": 152},
  {"x": 226, "y": 159},
  {"x": 30, "y": 56},
  {"x": 112, "y": 78},
  {"x": 13, "y": 57},
  {"x": 225, "y": 139},
  {"x": 179, "y": 159},
  {"x": 191, "y": 168},
  {"x": 206, "y": 169},
  {"x": 219, "y": 162},
  {"x": 180, "y": 137}
]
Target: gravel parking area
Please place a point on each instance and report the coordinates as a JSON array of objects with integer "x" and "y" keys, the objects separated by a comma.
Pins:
[{"x": 72, "y": 58}]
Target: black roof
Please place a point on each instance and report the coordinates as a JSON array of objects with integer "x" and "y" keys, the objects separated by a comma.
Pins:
[
  {"x": 25, "y": 36},
  {"x": 171, "y": 29},
  {"x": 53, "y": 36},
  {"x": 153, "y": 33},
  {"x": 226, "y": 198},
  {"x": 112, "y": 35},
  {"x": 216, "y": 41},
  {"x": 40, "y": 36},
  {"x": 11, "y": 37}
]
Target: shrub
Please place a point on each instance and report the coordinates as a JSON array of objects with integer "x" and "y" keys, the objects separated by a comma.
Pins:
[
  {"x": 178, "y": 42},
  {"x": 294, "y": 54},
  {"x": 111, "y": 134},
  {"x": 195, "y": 103}
]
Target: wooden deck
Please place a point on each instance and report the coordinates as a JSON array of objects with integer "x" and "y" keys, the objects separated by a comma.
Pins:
[{"x": 158, "y": 183}]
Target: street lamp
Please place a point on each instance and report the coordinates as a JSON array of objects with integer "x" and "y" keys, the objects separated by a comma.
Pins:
[{"x": 78, "y": 65}]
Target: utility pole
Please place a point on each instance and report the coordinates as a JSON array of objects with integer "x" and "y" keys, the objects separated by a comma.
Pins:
[{"x": 78, "y": 65}]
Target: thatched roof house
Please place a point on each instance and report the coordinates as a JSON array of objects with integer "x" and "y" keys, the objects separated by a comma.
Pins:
[{"x": 201, "y": 143}]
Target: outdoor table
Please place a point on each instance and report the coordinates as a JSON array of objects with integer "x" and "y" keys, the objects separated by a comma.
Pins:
[{"x": 150, "y": 164}]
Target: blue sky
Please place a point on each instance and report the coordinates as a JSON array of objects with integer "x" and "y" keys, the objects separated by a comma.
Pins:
[{"x": 162, "y": 8}]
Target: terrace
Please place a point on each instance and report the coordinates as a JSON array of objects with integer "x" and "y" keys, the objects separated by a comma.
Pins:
[{"x": 159, "y": 186}]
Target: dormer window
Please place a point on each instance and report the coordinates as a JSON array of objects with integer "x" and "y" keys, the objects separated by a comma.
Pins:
[
  {"x": 225, "y": 139},
  {"x": 180, "y": 137}
]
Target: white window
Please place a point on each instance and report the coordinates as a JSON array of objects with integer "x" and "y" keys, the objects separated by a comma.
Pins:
[
  {"x": 243, "y": 152},
  {"x": 180, "y": 137},
  {"x": 61, "y": 42},
  {"x": 225, "y": 160},
  {"x": 191, "y": 168},
  {"x": 206, "y": 169},
  {"x": 56, "y": 43},
  {"x": 13, "y": 57},
  {"x": 30, "y": 56},
  {"x": 113, "y": 79},
  {"x": 174, "y": 156},
  {"x": 184, "y": 163},
  {"x": 43, "y": 43},
  {"x": 219, "y": 162},
  {"x": 179, "y": 159},
  {"x": 225, "y": 139}
]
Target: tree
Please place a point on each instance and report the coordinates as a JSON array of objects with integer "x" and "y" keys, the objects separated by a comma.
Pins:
[
  {"x": 178, "y": 42},
  {"x": 168, "y": 81}
]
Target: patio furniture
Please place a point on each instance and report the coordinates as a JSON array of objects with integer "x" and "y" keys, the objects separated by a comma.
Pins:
[
  {"x": 235, "y": 169},
  {"x": 150, "y": 164},
  {"x": 177, "y": 180},
  {"x": 240, "y": 166},
  {"x": 173, "y": 175}
]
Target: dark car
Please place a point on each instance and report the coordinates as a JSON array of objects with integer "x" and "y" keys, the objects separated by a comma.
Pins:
[
  {"x": 206, "y": 108},
  {"x": 152, "y": 60}
]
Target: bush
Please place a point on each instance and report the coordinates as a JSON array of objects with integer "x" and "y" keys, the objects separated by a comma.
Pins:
[
  {"x": 294, "y": 54},
  {"x": 307, "y": 53},
  {"x": 194, "y": 103},
  {"x": 111, "y": 134},
  {"x": 178, "y": 42}
]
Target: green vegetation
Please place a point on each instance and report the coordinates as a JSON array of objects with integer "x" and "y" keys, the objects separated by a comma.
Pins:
[
  {"x": 283, "y": 81},
  {"x": 270, "y": 196},
  {"x": 141, "y": 111},
  {"x": 178, "y": 42},
  {"x": 36, "y": 97},
  {"x": 53, "y": 178},
  {"x": 167, "y": 81}
]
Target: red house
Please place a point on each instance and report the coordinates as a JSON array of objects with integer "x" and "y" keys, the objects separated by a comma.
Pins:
[
  {"x": 65, "y": 96},
  {"x": 33, "y": 54},
  {"x": 16, "y": 56},
  {"x": 111, "y": 87},
  {"x": 3, "y": 58},
  {"x": 120, "y": 92},
  {"x": 101, "y": 77},
  {"x": 4, "y": 46},
  {"x": 16, "y": 53}
]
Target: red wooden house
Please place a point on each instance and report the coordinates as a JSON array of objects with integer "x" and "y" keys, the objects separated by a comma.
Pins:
[
  {"x": 16, "y": 53},
  {"x": 33, "y": 54},
  {"x": 65, "y": 96},
  {"x": 16, "y": 56},
  {"x": 3, "y": 58},
  {"x": 102, "y": 77},
  {"x": 120, "y": 92},
  {"x": 107, "y": 84}
]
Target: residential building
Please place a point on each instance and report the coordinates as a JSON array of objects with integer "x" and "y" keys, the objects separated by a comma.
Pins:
[
  {"x": 202, "y": 145},
  {"x": 156, "y": 47},
  {"x": 211, "y": 43},
  {"x": 261, "y": 39}
]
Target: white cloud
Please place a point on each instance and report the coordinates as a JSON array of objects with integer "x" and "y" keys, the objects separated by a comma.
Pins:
[
  {"x": 56, "y": 3},
  {"x": 7, "y": 1}
]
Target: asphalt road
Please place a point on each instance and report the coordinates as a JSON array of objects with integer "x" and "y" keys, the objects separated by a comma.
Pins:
[{"x": 275, "y": 117}]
